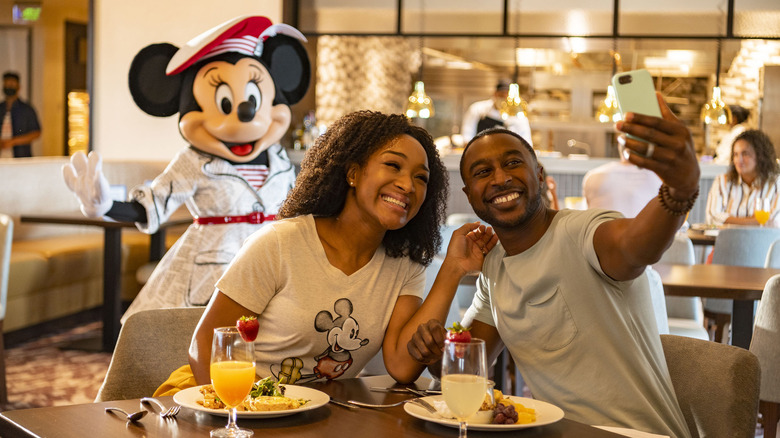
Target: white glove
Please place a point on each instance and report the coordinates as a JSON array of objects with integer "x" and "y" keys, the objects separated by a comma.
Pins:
[{"x": 84, "y": 177}]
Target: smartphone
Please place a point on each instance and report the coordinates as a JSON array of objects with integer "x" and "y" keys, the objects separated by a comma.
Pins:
[{"x": 635, "y": 93}]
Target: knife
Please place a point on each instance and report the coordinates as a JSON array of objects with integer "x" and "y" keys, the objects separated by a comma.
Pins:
[
  {"x": 342, "y": 404},
  {"x": 407, "y": 390}
]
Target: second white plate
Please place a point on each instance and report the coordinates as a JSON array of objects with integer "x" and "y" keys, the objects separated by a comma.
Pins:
[
  {"x": 546, "y": 413},
  {"x": 189, "y": 399}
]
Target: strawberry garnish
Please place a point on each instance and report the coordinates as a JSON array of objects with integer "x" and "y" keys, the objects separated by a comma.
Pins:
[
  {"x": 458, "y": 333},
  {"x": 248, "y": 326}
]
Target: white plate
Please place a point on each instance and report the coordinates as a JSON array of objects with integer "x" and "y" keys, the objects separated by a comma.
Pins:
[
  {"x": 545, "y": 414},
  {"x": 189, "y": 399}
]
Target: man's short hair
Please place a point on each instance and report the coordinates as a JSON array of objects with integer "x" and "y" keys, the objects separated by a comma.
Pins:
[
  {"x": 502, "y": 85},
  {"x": 496, "y": 130},
  {"x": 11, "y": 75}
]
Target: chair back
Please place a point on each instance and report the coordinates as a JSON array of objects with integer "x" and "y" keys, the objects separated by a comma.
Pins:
[
  {"x": 740, "y": 246},
  {"x": 717, "y": 386},
  {"x": 766, "y": 340},
  {"x": 6, "y": 239},
  {"x": 681, "y": 253},
  {"x": 773, "y": 256},
  {"x": 151, "y": 345},
  {"x": 744, "y": 246}
]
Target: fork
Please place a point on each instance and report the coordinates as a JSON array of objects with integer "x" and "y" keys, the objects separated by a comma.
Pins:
[
  {"x": 164, "y": 413},
  {"x": 416, "y": 401}
]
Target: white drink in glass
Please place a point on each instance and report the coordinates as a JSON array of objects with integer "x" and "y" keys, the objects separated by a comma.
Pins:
[{"x": 463, "y": 393}]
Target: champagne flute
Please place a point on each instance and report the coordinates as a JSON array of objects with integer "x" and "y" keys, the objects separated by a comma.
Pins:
[
  {"x": 464, "y": 379},
  {"x": 762, "y": 210},
  {"x": 232, "y": 376}
]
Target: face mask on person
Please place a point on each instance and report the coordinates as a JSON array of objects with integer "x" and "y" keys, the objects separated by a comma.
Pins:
[{"x": 9, "y": 92}]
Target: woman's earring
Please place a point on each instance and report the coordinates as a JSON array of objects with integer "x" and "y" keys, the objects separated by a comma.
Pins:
[{"x": 352, "y": 183}]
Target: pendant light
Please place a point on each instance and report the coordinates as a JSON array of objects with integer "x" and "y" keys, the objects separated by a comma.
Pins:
[
  {"x": 514, "y": 105},
  {"x": 419, "y": 104},
  {"x": 608, "y": 111},
  {"x": 715, "y": 112}
]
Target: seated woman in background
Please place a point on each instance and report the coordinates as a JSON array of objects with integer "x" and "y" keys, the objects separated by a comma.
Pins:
[
  {"x": 342, "y": 274},
  {"x": 752, "y": 175}
]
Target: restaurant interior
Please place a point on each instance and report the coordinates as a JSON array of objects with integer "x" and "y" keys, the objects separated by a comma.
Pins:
[{"x": 73, "y": 58}]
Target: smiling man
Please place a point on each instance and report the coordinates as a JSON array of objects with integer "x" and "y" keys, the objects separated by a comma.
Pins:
[{"x": 566, "y": 291}]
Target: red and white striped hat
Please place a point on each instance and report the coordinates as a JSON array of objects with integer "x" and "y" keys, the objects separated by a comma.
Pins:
[{"x": 242, "y": 35}]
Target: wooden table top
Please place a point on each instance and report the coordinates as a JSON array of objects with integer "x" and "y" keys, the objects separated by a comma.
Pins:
[
  {"x": 328, "y": 421},
  {"x": 714, "y": 281}
]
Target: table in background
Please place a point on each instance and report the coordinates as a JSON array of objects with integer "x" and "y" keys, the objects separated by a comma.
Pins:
[
  {"x": 741, "y": 284},
  {"x": 327, "y": 421},
  {"x": 112, "y": 261}
]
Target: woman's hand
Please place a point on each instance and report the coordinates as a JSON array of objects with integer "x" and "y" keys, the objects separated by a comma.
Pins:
[{"x": 469, "y": 246}]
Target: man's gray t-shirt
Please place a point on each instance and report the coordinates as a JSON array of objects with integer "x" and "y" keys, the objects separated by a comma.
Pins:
[{"x": 581, "y": 340}]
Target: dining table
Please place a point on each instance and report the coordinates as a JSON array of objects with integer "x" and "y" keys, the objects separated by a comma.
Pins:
[
  {"x": 743, "y": 285},
  {"x": 330, "y": 420},
  {"x": 112, "y": 260}
]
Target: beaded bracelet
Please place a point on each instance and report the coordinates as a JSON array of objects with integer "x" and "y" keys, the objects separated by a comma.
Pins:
[{"x": 673, "y": 206}]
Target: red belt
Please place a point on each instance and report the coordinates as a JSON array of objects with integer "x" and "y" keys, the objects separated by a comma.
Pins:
[{"x": 252, "y": 218}]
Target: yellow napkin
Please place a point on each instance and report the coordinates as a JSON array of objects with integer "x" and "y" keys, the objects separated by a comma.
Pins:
[{"x": 181, "y": 378}]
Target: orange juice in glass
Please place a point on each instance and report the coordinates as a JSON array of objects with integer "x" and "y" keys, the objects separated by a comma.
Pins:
[
  {"x": 232, "y": 375},
  {"x": 762, "y": 210},
  {"x": 232, "y": 380}
]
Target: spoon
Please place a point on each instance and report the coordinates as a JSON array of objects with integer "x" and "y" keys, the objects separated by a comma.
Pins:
[{"x": 135, "y": 416}]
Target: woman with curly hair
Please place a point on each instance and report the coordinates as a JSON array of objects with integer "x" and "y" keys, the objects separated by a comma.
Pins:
[
  {"x": 342, "y": 273},
  {"x": 752, "y": 175}
]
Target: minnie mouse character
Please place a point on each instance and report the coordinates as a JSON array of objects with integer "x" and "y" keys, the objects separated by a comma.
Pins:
[{"x": 231, "y": 87}]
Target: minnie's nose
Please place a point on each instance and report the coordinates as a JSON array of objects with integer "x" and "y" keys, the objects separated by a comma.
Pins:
[{"x": 246, "y": 111}]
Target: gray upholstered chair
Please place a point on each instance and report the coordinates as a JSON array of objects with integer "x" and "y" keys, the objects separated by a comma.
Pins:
[
  {"x": 766, "y": 346},
  {"x": 151, "y": 345},
  {"x": 737, "y": 246},
  {"x": 717, "y": 386},
  {"x": 685, "y": 314},
  {"x": 6, "y": 237}
]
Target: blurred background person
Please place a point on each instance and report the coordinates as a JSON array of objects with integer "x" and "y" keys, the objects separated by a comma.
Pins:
[
  {"x": 18, "y": 121},
  {"x": 484, "y": 114},
  {"x": 752, "y": 175},
  {"x": 620, "y": 186},
  {"x": 739, "y": 116}
]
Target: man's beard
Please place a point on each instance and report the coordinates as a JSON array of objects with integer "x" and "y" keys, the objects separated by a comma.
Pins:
[{"x": 532, "y": 206}]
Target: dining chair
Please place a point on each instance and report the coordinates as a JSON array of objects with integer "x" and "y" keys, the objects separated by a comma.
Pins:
[
  {"x": 765, "y": 344},
  {"x": 736, "y": 246},
  {"x": 6, "y": 238},
  {"x": 685, "y": 314},
  {"x": 151, "y": 345},
  {"x": 717, "y": 386},
  {"x": 773, "y": 256}
]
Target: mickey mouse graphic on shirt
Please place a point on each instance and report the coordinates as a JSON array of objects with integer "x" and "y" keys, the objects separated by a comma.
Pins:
[
  {"x": 342, "y": 336},
  {"x": 232, "y": 87}
]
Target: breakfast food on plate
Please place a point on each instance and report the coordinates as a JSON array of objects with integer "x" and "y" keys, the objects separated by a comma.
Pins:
[
  {"x": 248, "y": 326},
  {"x": 458, "y": 333},
  {"x": 507, "y": 411},
  {"x": 500, "y": 410},
  {"x": 266, "y": 395}
]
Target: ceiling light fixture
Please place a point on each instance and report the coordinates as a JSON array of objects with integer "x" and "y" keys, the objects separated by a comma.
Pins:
[
  {"x": 608, "y": 111},
  {"x": 514, "y": 105},
  {"x": 419, "y": 104},
  {"x": 715, "y": 112}
]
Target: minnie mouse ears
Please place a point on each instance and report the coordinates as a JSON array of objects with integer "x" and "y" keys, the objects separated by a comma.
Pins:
[{"x": 242, "y": 35}]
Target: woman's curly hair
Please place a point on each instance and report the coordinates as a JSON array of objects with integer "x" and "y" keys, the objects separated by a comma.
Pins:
[
  {"x": 321, "y": 186},
  {"x": 766, "y": 162}
]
